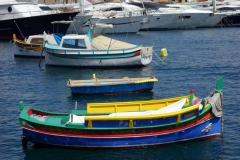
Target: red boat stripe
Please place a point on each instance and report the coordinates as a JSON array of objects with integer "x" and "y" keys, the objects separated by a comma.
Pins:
[{"x": 208, "y": 115}]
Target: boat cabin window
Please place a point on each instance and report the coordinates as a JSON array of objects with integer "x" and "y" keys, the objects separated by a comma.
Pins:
[
  {"x": 227, "y": 9},
  {"x": 9, "y": 9},
  {"x": 113, "y": 9},
  {"x": 74, "y": 43},
  {"x": 45, "y": 8},
  {"x": 37, "y": 40}
]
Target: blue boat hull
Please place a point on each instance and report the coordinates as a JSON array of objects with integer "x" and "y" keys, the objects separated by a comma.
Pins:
[
  {"x": 126, "y": 140},
  {"x": 113, "y": 89}
]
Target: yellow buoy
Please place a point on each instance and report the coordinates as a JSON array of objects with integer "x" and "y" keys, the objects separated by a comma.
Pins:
[
  {"x": 94, "y": 76},
  {"x": 164, "y": 52}
]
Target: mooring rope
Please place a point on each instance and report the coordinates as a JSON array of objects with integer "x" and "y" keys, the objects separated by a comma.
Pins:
[
  {"x": 19, "y": 29},
  {"x": 6, "y": 45},
  {"x": 39, "y": 64},
  {"x": 189, "y": 24},
  {"x": 156, "y": 63},
  {"x": 159, "y": 58}
]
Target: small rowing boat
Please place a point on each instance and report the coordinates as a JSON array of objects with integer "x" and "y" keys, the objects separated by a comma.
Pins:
[{"x": 111, "y": 86}]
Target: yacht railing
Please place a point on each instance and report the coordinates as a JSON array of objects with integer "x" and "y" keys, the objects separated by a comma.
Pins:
[{"x": 99, "y": 13}]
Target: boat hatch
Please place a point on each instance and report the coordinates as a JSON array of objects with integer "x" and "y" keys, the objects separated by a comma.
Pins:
[
  {"x": 74, "y": 43},
  {"x": 37, "y": 40}
]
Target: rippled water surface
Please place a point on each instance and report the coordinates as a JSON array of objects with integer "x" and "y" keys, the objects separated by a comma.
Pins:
[{"x": 196, "y": 59}]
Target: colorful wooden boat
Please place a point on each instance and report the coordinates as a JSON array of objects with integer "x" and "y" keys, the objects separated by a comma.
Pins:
[
  {"x": 111, "y": 86},
  {"x": 126, "y": 124},
  {"x": 96, "y": 50},
  {"x": 32, "y": 46}
]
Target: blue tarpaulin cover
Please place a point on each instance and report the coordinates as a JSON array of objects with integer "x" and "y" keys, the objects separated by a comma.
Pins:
[
  {"x": 89, "y": 34},
  {"x": 58, "y": 37}
]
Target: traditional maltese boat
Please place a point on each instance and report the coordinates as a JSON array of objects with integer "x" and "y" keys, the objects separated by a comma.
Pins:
[
  {"x": 96, "y": 50},
  {"x": 32, "y": 46},
  {"x": 111, "y": 86},
  {"x": 126, "y": 124}
]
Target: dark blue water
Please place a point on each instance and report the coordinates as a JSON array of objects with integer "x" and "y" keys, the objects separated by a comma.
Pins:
[{"x": 196, "y": 59}]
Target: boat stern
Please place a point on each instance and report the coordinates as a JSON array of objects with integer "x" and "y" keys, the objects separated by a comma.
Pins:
[{"x": 146, "y": 55}]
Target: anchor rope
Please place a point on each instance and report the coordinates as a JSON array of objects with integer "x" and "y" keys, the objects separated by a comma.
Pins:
[{"x": 6, "y": 45}]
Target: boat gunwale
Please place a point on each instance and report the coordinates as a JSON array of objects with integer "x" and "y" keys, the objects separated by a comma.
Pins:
[
  {"x": 57, "y": 47},
  {"x": 17, "y": 41},
  {"x": 105, "y": 82},
  {"x": 142, "y": 117},
  {"x": 75, "y": 126}
]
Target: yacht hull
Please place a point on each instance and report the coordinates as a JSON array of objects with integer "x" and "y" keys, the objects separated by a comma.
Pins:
[
  {"x": 27, "y": 26},
  {"x": 120, "y": 25},
  {"x": 230, "y": 21}
]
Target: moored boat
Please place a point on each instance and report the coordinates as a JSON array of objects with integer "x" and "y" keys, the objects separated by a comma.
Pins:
[
  {"x": 27, "y": 18},
  {"x": 111, "y": 86},
  {"x": 126, "y": 124},
  {"x": 32, "y": 46},
  {"x": 96, "y": 50}
]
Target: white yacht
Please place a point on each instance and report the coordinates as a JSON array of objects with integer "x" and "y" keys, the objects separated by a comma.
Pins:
[
  {"x": 26, "y": 17},
  {"x": 232, "y": 15},
  {"x": 175, "y": 16},
  {"x": 124, "y": 18},
  {"x": 191, "y": 18},
  {"x": 79, "y": 19}
]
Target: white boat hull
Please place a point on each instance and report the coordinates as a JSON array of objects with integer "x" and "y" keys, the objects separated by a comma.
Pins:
[
  {"x": 23, "y": 52},
  {"x": 140, "y": 60},
  {"x": 213, "y": 20},
  {"x": 160, "y": 21},
  {"x": 172, "y": 18},
  {"x": 164, "y": 21},
  {"x": 188, "y": 20}
]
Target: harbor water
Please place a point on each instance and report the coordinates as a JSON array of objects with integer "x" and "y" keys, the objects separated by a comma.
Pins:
[{"x": 196, "y": 59}]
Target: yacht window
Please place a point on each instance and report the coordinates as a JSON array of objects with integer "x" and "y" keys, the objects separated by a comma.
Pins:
[
  {"x": 116, "y": 9},
  {"x": 9, "y": 9},
  {"x": 184, "y": 17},
  {"x": 45, "y": 8},
  {"x": 74, "y": 43},
  {"x": 226, "y": 9},
  {"x": 37, "y": 40},
  {"x": 113, "y": 9}
]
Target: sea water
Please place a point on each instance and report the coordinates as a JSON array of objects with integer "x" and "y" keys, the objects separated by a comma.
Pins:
[{"x": 196, "y": 59}]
